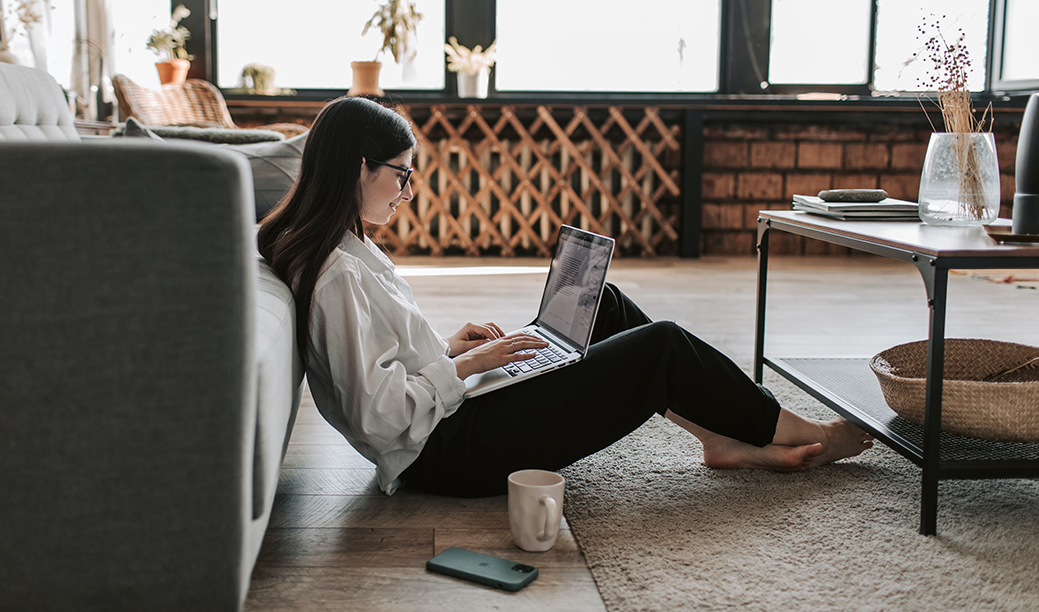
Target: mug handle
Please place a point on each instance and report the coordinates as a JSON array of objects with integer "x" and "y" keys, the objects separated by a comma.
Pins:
[{"x": 553, "y": 517}]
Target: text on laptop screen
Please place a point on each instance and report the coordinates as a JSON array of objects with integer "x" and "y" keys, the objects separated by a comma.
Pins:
[{"x": 575, "y": 281}]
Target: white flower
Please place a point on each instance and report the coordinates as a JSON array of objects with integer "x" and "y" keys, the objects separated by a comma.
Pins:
[
  {"x": 168, "y": 43},
  {"x": 461, "y": 59}
]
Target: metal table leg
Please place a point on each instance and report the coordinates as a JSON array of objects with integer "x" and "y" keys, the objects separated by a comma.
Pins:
[
  {"x": 937, "y": 280},
  {"x": 759, "y": 325}
]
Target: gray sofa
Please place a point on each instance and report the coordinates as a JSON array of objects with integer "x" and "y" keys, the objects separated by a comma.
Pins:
[{"x": 149, "y": 376}]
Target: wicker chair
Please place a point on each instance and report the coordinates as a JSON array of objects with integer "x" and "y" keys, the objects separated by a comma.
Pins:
[{"x": 194, "y": 103}]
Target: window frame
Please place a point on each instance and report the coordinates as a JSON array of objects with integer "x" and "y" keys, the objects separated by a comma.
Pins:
[
  {"x": 997, "y": 33},
  {"x": 743, "y": 56},
  {"x": 850, "y": 89}
]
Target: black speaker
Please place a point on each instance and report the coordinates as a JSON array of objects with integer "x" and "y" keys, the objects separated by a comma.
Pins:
[{"x": 1026, "y": 198}]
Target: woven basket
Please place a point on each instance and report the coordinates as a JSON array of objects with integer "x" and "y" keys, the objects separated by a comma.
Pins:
[{"x": 979, "y": 398}]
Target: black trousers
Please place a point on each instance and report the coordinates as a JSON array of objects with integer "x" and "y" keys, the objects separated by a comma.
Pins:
[{"x": 634, "y": 368}]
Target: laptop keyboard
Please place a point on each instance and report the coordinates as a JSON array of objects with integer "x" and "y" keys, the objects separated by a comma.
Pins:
[{"x": 546, "y": 357}]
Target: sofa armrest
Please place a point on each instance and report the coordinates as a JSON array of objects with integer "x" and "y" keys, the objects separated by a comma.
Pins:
[{"x": 127, "y": 377}]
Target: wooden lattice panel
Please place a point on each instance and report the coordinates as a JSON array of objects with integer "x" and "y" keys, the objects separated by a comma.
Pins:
[{"x": 501, "y": 180}]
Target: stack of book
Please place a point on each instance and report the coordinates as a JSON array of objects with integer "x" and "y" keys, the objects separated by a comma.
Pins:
[{"x": 888, "y": 209}]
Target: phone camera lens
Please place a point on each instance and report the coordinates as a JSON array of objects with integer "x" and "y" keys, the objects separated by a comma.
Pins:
[{"x": 519, "y": 567}]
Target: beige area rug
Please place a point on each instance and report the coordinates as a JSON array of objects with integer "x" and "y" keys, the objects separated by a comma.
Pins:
[{"x": 662, "y": 532}]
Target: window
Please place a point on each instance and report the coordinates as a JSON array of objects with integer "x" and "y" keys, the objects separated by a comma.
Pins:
[
  {"x": 581, "y": 45},
  {"x": 53, "y": 39},
  {"x": 1020, "y": 49},
  {"x": 1015, "y": 51},
  {"x": 132, "y": 22},
  {"x": 899, "y": 37},
  {"x": 310, "y": 43},
  {"x": 828, "y": 43},
  {"x": 43, "y": 39},
  {"x": 820, "y": 41},
  {"x": 654, "y": 46}
]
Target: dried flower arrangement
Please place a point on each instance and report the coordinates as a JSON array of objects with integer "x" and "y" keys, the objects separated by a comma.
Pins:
[
  {"x": 398, "y": 20},
  {"x": 168, "y": 43},
  {"x": 462, "y": 59},
  {"x": 952, "y": 66},
  {"x": 27, "y": 13}
]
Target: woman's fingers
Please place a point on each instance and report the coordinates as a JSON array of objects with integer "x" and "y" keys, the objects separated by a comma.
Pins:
[
  {"x": 522, "y": 342},
  {"x": 495, "y": 353},
  {"x": 490, "y": 331}
]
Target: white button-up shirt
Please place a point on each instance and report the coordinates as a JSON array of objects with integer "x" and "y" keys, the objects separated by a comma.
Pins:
[{"x": 377, "y": 370}]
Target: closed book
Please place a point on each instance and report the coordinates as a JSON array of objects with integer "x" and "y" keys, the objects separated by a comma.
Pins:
[{"x": 887, "y": 206}]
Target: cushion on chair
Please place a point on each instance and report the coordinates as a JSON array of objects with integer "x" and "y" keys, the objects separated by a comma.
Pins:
[
  {"x": 33, "y": 107},
  {"x": 206, "y": 134}
]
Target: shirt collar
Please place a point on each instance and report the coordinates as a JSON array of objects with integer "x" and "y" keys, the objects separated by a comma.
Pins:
[{"x": 367, "y": 252}]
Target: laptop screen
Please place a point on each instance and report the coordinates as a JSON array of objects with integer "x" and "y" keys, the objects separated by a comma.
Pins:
[{"x": 575, "y": 284}]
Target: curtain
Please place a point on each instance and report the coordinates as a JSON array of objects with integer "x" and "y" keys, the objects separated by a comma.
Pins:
[{"x": 92, "y": 64}]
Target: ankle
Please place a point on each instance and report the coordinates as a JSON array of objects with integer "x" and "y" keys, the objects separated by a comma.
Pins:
[{"x": 795, "y": 430}]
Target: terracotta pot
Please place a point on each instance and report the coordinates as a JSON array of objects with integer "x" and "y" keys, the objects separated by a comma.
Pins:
[
  {"x": 173, "y": 72},
  {"x": 366, "y": 79}
]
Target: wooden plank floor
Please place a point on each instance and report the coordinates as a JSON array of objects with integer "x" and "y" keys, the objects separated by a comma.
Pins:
[{"x": 336, "y": 543}]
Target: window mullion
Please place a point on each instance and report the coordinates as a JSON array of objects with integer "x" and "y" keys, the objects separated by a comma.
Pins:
[
  {"x": 871, "y": 59},
  {"x": 472, "y": 22},
  {"x": 746, "y": 26},
  {"x": 201, "y": 44}
]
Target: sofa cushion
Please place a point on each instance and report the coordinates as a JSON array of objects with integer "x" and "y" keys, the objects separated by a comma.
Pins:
[
  {"x": 274, "y": 164},
  {"x": 279, "y": 372},
  {"x": 33, "y": 107}
]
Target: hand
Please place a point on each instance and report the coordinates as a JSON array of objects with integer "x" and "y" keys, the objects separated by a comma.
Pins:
[
  {"x": 496, "y": 353},
  {"x": 471, "y": 336}
]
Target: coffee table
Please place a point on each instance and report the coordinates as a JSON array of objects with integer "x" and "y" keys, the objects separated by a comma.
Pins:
[{"x": 849, "y": 387}]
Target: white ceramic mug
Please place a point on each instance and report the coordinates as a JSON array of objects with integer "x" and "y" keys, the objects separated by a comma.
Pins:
[{"x": 535, "y": 508}]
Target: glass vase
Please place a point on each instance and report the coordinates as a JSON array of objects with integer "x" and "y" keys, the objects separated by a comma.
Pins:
[{"x": 959, "y": 184}]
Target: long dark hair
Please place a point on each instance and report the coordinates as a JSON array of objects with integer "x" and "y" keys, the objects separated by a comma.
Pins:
[{"x": 324, "y": 203}]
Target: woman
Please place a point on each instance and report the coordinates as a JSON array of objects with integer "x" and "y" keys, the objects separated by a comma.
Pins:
[{"x": 393, "y": 386}]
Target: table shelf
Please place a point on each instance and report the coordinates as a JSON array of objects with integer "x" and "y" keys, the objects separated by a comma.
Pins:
[{"x": 849, "y": 387}]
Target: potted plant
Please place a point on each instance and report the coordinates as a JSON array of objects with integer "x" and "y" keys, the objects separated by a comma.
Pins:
[
  {"x": 168, "y": 44},
  {"x": 473, "y": 67},
  {"x": 398, "y": 21}
]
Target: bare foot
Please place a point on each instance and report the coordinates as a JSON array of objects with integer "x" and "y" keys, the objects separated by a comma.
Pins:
[
  {"x": 843, "y": 439},
  {"x": 726, "y": 453},
  {"x": 807, "y": 444}
]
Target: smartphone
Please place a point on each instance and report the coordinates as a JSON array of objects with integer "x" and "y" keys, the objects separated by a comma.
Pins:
[{"x": 482, "y": 569}]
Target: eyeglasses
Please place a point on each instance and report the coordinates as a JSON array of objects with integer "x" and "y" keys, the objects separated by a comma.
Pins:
[{"x": 404, "y": 178}]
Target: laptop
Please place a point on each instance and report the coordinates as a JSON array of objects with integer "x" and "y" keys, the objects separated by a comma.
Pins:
[{"x": 565, "y": 320}]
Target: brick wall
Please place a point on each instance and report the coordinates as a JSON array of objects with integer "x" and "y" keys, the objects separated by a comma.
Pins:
[{"x": 752, "y": 167}]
